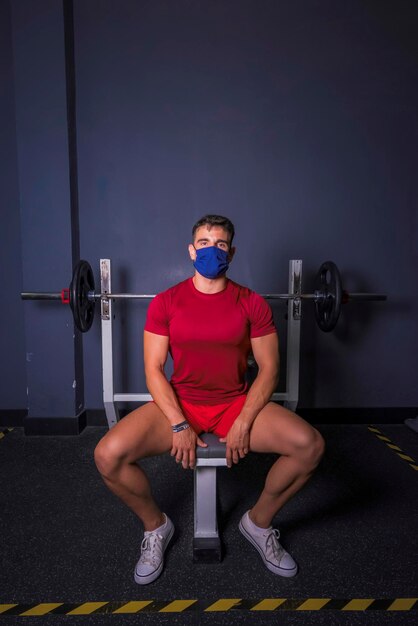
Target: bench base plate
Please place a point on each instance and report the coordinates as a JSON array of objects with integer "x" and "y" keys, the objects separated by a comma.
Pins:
[{"x": 207, "y": 550}]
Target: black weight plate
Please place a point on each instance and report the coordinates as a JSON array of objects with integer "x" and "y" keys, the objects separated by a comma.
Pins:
[
  {"x": 328, "y": 288},
  {"x": 82, "y": 308}
]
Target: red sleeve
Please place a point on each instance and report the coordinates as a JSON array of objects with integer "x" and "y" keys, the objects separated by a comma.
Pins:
[
  {"x": 261, "y": 317},
  {"x": 157, "y": 316}
]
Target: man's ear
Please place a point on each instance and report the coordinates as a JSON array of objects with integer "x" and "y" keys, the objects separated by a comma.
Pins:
[
  {"x": 231, "y": 253},
  {"x": 192, "y": 252}
]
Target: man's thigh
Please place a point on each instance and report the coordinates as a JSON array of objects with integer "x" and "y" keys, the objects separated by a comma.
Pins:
[
  {"x": 142, "y": 433},
  {"x": 276, "y": 429}
]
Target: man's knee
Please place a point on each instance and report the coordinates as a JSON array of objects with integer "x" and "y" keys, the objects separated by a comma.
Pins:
[
  {"x": 109, "y": 456},
  {"x": 318, "y": 447},
  {"x": 314, "y": 447},
  {"x": 310, "y": 447}
]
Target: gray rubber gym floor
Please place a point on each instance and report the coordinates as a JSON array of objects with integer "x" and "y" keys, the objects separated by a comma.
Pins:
[{"x": 353, "y": 531}]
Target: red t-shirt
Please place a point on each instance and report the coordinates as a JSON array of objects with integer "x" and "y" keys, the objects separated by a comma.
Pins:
[{"x": 209, "y": 337}]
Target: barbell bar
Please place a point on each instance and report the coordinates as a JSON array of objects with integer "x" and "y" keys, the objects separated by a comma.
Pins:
[
  {"x": 35, "y": 295},
  {"x": 329, "y": 296}
]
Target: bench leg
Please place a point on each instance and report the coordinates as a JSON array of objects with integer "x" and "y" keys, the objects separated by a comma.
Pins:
[{"x": 206, "y": 541}]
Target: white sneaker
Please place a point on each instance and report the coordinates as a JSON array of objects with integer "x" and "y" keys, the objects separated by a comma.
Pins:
[
  {"x": 151, "y": 561},
  {"x": 275, "y": 557}
]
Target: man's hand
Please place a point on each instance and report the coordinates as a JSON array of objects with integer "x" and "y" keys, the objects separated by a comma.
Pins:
[
  {"x": 237, "y": 442},
  {"x": 184, "y": 447}
]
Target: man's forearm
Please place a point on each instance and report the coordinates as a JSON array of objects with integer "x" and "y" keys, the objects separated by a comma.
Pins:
[
  {"x": 259, "y": 394},
  {"x": 163, "y": 395}
]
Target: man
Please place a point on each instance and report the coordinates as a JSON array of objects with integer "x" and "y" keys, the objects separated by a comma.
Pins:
[{"x": 209, "y": 324}]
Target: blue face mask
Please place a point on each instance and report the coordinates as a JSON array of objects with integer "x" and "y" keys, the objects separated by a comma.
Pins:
[{"x": 211, "y": 262}]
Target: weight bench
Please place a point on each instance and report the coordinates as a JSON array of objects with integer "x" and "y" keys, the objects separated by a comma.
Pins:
[{"x": 206, "y": 540}]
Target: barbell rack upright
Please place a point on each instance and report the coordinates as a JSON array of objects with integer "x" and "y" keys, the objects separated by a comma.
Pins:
[
  {"x": 112, "y": 413},
  {"x": 294, "y": 315}
]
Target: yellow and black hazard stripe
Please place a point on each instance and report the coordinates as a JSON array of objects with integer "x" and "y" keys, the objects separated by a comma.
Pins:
[
  {"x": 394, "y": 447},
  {"x": 220, "y": 605},
  {"x": 4, "y": 432}
]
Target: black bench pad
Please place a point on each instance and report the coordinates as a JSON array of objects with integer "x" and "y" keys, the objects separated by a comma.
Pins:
[{"x": 215, "y": 449}]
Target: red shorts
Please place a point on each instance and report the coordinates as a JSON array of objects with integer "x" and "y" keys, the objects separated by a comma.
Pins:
[{"x": 215, "y": 418}]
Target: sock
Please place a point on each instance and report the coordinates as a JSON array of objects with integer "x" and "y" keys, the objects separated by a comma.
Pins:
[{"x": 254, "y": 528}]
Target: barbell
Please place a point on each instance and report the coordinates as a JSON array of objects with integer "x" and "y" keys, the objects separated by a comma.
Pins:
[{"x": 329, "y": 296}]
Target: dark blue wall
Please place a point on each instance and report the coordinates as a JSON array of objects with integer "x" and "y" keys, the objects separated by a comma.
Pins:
[
  {"x": 12, "y": 347},
  {"x": 54, "y": 377},
  {"x": 297, "y": 120}
]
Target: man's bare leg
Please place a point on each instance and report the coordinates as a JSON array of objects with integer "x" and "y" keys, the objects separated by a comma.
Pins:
[
  {"x": 278, "y": 430},
  {"x": 144, "y": 432},
  {"x": 301, "y": 447}
]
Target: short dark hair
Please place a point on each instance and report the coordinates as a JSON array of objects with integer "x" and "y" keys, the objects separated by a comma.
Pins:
[{"x": 215, "y": 220}]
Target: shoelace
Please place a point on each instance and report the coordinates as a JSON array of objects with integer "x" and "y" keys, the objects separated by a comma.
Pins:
[
  {"x": 272, "y": 542},
  {"x": 151, "y": 548}
]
